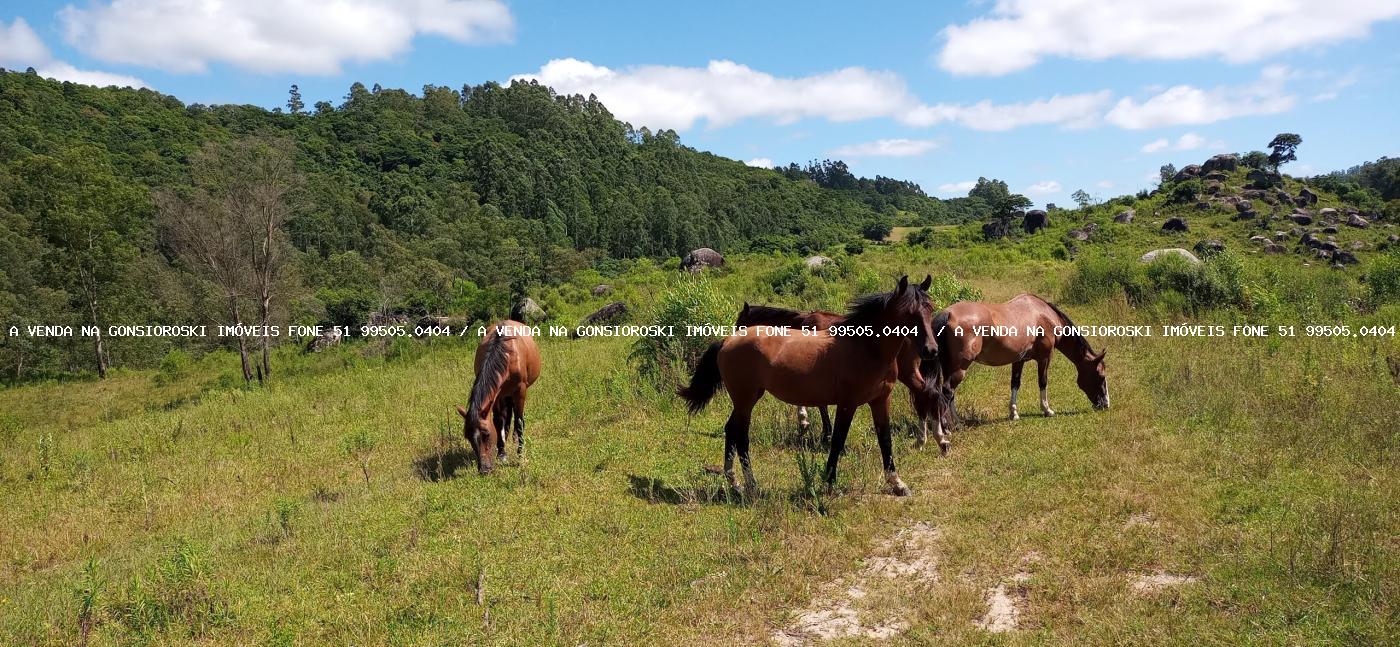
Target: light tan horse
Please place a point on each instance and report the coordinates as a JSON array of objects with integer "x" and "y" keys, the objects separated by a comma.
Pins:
[
  {"x": 850, "y": 366},
  {"x": 507, "y": 363},
  {"x": 972, "y": 331}
]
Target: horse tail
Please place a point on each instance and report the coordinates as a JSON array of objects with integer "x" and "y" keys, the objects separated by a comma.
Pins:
[
  {"x": 706, "y": 380},
  {"x": 934, "y": 373}
]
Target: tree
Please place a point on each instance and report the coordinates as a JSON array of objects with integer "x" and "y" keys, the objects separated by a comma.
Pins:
[
  {"x": 1082, "y": 198},
  {"x": 294, "y": 103},
  {"x": 1167, "y": 172},
  {"x": 1285, "y": 148},
  {"x": 876, "y": 231},
  {"x": 990, "y": 191},
  {"x": 1255, "y": 159},
  {"x": 231, "y": 226}
]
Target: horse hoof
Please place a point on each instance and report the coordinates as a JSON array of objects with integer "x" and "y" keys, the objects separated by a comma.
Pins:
[
  {"x": 901, "y": 490},
  {"x": 1049, "y": 413},
  {"x": 919, "y": 444},
  {"x": 943, "y": 447},
  {"x": 1015, "y": 416}
]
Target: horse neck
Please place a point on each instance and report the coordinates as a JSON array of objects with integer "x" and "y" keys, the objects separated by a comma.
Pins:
[{"x": 1075, "y": 348}]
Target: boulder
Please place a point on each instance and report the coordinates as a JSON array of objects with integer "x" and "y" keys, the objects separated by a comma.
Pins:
[
  {"x": 1329, "y": 229},
  {"x": 602, "y": 289},
  {"x": 1301, "y": 218},
  {"x": 1212, "y": 188},
  {"x": 1305, "y": 198},
  {"x": 608, "y": 314},
  {"x": 1393, "y": 238},
  {"x": 385, "y": 319},
  {"x": 1280, "y": 235},
  {"x": 1260, "y": 239},
  {"x": 1126, "y": 216},
  {"x": 1328, "y": 245},
  {"x": 1322, "y": 254},
  {"x": 1357, "y": 221},
  {"x": 1243, "y": 206},
  {"x": 1262, "y": 180},
  {"x": 702, "y": 258},
  {"x": 1253, "y": 194},
  {"x": 1269, "y": 200},
  {"x": 1358, "y": 245},
  {"x": 1169, "y": 251},
  {"x": 1344, "y": 257},
  {"x": 1208, "y": 248},
  {"x": 1175, "y": 224},
  {"x": 1309, "y": 240},
  {"x": 1223, "y": 162},
  {"x": 1077, "y": 234},
  {"x": 1327, "y": 213},
  {"x": 1202, "y": 205},
  {"x": 1275, "y": 248},
  {"x": 1216, "y": 176},
  {"x": 1035, "y": 220},
  {"x": 527, "y": 311},
  {"x": 814, "y": 262},
  {"x": 329, "y": 337},
  {"x": 1247, "y": 215},
  {"x": 1187, "y": 172}
]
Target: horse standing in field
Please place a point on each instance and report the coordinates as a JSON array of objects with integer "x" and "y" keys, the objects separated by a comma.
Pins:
[
  {"x": 1041, "y": 329},
  {"x": 908, "y": 360},
  {"x": 507, "y": 363},
  {"x": 851, "y": 365}
]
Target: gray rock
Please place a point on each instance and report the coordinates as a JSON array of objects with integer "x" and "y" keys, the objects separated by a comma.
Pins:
[
  {"x": 1275, "y": 248},
  {"x": 1126, "y": 216},
  {"x": 527, "y": 311},
  {"x": 814, "y": 262},
  {"x": 1243, "y": 206},
  {"x": 1358, "y": 222},
  {"x": 1329, "y": 229},
  {"x": 1035, "y": 220},
  {"x": 1344, "y": 257},
  {"x": 612, "y": 313},
  {"x": 702, "y": 258},
  {"x": 1301, "y": 218},
  {"x": 1327, "y": 213},
  {"x": 602, "y": 289},
  {"x": 1223, "y": 162},
  {"x": 1305, "y": 198},
  {"x": 1077, "y": 234},
  {"x": 1261, "y": 240},
  {"x": 1175, "y": 224},
  {"x": 1187, "y": 172},
  {"x": 1208, "y": 248},
  {"x": 1169, "y": 251}
]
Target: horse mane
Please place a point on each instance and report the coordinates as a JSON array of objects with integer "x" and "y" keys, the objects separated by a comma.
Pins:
[
  {"x": 769, "y": 316},
  {"x": 866, "y": 308},
  {"x": 493, "y": 371},
  {"x": 1074, "y": 338}
]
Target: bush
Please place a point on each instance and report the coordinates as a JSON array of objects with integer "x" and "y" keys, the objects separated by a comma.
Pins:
[
  {"x": 789, "y": 279},
  {"x": 175, "y": 365},
  {"x": 691, "y": 301},
  {"x": 1099, "y": 277},
  {"x": 1383, "y": 280},
  {"x": 1170, "y": 283}
]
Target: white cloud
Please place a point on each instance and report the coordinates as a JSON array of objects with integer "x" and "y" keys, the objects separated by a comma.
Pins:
[
  {"x": 887, "y": 148},
  {"x": 21, "y": 47},
  {"x": 724, "y": 92},
  {"x": 1185, "y": 104},
  {"x": 1104, "y": 184},
  {"x": 761, "y": 162},
  {"x": 303, "y": 36},
  {"x": 1017, "y": 34},
  {"x": 1043, "y": 187},
  {"x": 1187, "y": 142},
  {"x": 960, "y": 188}
]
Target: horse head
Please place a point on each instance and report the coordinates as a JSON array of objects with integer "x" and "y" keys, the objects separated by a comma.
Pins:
[
  {"x": 911, "y": 307},
  {"x": 481, "y": 432},
  {"x": 1093, "y": 379}
]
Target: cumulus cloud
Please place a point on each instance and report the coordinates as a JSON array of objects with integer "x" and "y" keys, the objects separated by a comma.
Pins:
[
  {"x": 1187, "y": 142},
  {"x": 887, "y": 148},
  {"x": 761, "y": 162},
  {"x": 20, "y": 47},
  {"x": 724, "y": 92},
  {"x": 1185, "y": 104},
  {"x": 302, "y": 36},
  {"x": 1043, "y": 187},
  {"x": 957, "y": 187},
  {"x": 1017, "y": 34}
]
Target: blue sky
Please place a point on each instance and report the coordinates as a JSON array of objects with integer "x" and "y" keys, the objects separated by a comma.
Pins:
[{"x": 1050, "y": 95}]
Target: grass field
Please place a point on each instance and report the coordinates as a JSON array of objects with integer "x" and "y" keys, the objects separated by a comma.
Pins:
[{"x": 336, "y": 506}]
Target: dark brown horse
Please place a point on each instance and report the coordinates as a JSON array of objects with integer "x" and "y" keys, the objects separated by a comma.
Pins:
[
  {"x": 971, "y": 331},
  {"x": 851, "y": 365},
  {"x": 507, "y": 363},
  {"x": 908, "y": 364}
]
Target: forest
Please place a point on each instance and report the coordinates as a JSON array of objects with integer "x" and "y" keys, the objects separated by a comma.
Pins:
[{"x": 127, "y": 206}]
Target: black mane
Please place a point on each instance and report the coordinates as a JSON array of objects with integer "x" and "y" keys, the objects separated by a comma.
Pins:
[
  {"x": 867, "y": 308},
  {"x": 768, "y": 316},
  {"x": 493, "y": 370},
  {"x": 1073, "y": 338}
]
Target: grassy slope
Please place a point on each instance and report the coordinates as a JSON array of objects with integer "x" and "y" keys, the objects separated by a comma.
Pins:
[{"x": 1268, "y": 468}]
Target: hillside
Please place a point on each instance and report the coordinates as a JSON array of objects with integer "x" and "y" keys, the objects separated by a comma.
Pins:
[{"x": 449, "y": 201}]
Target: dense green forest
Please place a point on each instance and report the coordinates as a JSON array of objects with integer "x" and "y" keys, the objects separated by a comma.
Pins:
[{"x": 455, "y": 201}]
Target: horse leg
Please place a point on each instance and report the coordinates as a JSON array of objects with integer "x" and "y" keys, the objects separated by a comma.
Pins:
[
  {"x": 1042, "y": 367},
  {"x": 880, "y": 412},
  {"x": 519, "y": 402},
  {"x": 1016, "y": 386},
  {"x": 803, "y": 423},
  {"x": 844, "y": 414},
  {"x": 501, "y": 417},
  {"x": 826, "y": 424},
  {"x": 736, "y": 442}
]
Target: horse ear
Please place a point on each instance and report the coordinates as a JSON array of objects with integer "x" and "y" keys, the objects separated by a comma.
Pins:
[
  {"x": 1102, "y": 353},
  {"x": 462, "y": 411},
  {"x": 903, "y": 284},
  {"x": 928, "y": 280}
]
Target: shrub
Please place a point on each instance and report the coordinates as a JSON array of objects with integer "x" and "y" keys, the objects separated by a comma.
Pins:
[
  {"x": 1383, "y": 280},
  {"x": 1098, "y": 277},
  {"x": 174, "y": 366},
  {"x": 789, "y": 279},
  {"x": 691, "y": 301}
]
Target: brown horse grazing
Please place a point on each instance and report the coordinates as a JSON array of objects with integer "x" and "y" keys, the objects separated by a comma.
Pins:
[
  {"x": 971, "y": 331},
  {"x": 849, "y": 366},
  {"x": 908, "y": 364},
  {"x": 507, "y": 363}
]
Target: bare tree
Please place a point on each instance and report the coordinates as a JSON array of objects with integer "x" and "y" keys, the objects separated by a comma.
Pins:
[{"x": 230, "y": 225}]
